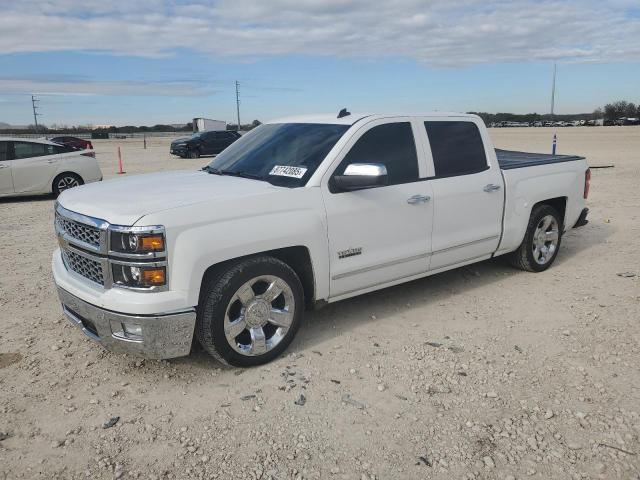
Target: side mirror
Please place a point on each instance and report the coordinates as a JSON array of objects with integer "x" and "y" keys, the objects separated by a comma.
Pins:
[{"x": 362, "y": 175}]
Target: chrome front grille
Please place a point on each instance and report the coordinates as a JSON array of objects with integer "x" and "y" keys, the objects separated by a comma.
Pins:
[
  {"x": 85, "y": 266},
  {"x": 81, "y": 232}
]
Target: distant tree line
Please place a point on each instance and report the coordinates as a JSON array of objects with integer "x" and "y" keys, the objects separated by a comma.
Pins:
[
  {"x": 489, "y": 118},
  {"x": 70, "y": 130},
  {"x": 619, "y": 109},
  {"x": 610, "y": 112}
]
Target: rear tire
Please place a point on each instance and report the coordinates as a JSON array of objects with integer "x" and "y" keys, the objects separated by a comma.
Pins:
[
  {"x": 65, "y": 181},
  {"x": 541, "y": 243},
  {"x": 238, "y": 321}
]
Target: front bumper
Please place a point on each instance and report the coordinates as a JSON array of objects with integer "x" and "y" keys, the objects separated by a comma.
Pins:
[
  {"x": 161, "y": 335},
  {"x": 179, "y": 150}
]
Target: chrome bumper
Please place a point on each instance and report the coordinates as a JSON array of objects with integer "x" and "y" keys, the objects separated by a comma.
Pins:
[{"x": 161, "y": 336}]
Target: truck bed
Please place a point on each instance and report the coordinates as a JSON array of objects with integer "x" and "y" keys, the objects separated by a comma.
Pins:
[{"x": 508, "y": 159}]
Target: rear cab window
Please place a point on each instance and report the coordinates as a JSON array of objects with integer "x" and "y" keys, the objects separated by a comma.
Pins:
[
  {"x": 4, "y": 151},
  {"x": 390, "y": 144},
  {"x": 457, "y": 148}
]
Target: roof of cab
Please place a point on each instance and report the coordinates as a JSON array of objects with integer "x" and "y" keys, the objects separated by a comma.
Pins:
[{"x": 355, "y": 117}]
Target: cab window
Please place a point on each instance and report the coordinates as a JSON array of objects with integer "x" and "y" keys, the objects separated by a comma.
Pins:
[
  {"x": 457, "y": 148},
  {"x": 3, "y": 151},
  {"x": 392, "y": 145},
  {"x": 29, "y": 150}
]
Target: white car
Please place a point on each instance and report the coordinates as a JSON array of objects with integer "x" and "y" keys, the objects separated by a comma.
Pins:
[
  {"x": 298, "y": 213},
  {"x": 35, "y": 167}
]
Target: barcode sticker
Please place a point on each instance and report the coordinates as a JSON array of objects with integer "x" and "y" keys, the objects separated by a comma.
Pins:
[{"x": 288, "y": 171}]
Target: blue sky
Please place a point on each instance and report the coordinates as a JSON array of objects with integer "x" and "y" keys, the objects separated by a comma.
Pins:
[{"x": 168, "y": 61}]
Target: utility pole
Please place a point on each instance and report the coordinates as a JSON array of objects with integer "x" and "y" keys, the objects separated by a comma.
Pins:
[
  {"x": 34, "y": 100},
  {"x": 553, "y": 90},
  {"x": 238, "y": 103}
]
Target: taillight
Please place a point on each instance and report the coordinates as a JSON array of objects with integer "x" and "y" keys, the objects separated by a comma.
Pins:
[{"x": 587, "y": 182}]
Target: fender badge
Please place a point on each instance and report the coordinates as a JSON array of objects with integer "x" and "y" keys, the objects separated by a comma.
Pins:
[{"x": 351, "y": 252}]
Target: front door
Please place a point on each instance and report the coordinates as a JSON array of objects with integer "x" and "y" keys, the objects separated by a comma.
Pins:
[
  {"x": 212, "y": 143},
  {"x": 383, "y": 234},
  {"x": 6, "y": 182}
]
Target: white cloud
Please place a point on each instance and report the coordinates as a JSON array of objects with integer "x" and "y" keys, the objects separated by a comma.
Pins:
[
  {"x": 61, "y": 85},
  {"x": 435, "y": 32}
]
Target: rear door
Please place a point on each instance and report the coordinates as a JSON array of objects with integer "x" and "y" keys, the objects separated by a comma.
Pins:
[
  {"x": 468, "y": 192},
  {"x": 6, "y": 182},
  {"x": 33, "y": 166}
]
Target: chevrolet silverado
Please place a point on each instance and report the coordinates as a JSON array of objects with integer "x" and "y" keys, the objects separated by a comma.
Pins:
[{"x": 297, "y": 213}]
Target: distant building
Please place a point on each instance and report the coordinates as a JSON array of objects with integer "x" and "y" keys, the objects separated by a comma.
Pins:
[{"x": 96, "y": 127}]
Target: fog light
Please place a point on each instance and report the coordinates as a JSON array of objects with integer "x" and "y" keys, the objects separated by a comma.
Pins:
[
  {"x": 126, "y": 331},
  {"x": 131, "y": 329}
]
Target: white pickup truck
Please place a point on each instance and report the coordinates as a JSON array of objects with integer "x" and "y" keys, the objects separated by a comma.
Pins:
[{"x": 300, "y": 212}]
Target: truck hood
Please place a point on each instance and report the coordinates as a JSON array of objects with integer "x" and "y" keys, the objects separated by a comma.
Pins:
[
  {"x": 124, "y": 201},
  {"x": 181, "y": 140}
]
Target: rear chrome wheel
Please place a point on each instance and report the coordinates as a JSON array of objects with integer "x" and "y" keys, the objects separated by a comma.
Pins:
[
  {"x": 545, "y": 239},
  {"x": 249, "y": 311},
  {"x": 259, "y": 315},
  {"x": 541, "y": 242}
]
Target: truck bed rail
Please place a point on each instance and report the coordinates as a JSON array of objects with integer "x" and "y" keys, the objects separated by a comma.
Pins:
[{"x": 509, "y": 159}]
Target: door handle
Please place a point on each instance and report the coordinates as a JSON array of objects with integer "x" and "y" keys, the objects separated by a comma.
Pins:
[
  {"x": 491, "y": 188},
  {"x": 52, "y": 161},
  {"x": 415, "y": 199}
]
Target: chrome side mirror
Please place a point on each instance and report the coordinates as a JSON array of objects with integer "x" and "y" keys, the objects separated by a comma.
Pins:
[{"x": 361, "y": 175}]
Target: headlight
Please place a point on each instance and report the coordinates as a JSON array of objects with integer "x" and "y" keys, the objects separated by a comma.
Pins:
[
  {"x": 138, "y": 257},
  {"x": 138, "y": 276},
  {"x": 138, "y": 241}
]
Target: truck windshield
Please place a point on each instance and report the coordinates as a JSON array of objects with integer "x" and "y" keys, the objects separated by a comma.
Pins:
[{"x": 284, "y": 154}]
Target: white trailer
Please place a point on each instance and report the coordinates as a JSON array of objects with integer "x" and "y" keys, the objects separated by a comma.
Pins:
[{"x": 208, "y": 125}]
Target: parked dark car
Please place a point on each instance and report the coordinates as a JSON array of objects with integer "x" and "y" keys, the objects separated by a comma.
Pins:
[
  {"x": 203, "y": 143},
  {"x": 73, "y": 142}
]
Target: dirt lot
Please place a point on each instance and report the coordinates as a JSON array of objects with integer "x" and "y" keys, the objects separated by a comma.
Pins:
[{"x": 484, "y": 372}]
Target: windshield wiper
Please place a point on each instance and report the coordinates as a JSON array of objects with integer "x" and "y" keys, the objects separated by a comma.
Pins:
[
  {"x": 241, "y": 174},
  {"x": 217, "y": 171}
]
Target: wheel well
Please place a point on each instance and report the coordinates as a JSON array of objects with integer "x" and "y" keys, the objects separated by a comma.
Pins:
[
  {"x": 297, "y": 258},
  {"x": 559, "y": 203}
]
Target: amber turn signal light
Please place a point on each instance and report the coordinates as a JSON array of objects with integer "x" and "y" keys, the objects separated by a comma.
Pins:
[
  {"x": 153, "y": 276},
  {"x": 152, "y": 243}
]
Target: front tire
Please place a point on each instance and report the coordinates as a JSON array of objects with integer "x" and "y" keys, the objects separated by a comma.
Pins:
[
  {"x": 249, "y": 313},
  {"x": 195, "y": 153},
  {"x": 65, "y": 181},
  {"x": 541, "y": 242}
]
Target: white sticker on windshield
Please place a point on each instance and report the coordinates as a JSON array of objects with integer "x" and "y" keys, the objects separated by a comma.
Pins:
[{"x": 288, "y": 171}]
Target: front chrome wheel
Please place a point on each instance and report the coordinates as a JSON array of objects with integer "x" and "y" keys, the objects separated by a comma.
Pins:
[
  {"x": 259, "y": 315},
  {"x": 67, "y": 182},
  {"x": 545, "y": 239}
]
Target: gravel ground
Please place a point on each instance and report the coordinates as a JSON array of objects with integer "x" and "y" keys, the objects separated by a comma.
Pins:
[{"x": 483, "y": 372}]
